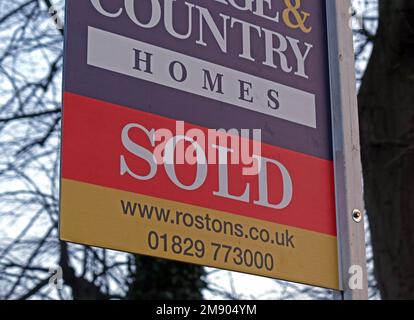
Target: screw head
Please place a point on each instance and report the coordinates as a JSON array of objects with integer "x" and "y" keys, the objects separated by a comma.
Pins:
[{"x": 357, "y": 215}]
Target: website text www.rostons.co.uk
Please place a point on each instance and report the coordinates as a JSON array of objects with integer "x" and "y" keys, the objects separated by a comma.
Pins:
[
  {"x": 206, "y": 222},
  {"x": 179, "y": 245}
]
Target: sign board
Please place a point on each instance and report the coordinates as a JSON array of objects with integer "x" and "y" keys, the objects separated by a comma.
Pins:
[{"x": 145, "y": 168}]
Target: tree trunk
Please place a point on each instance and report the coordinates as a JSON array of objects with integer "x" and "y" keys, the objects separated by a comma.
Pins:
[
  {"x": 386, "y": 102},
  {"x": 159, "y": 279}
]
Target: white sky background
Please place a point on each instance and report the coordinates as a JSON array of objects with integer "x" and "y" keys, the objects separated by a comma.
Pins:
[{"x": 237, "y": 285}]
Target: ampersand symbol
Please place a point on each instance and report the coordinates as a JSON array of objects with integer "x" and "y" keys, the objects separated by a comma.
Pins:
[{"x": 299, "y": 17}]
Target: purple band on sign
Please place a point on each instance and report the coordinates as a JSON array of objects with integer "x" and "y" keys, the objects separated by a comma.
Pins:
[{"x": 209, "y": 63}]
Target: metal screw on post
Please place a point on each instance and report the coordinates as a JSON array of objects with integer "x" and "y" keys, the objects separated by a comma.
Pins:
[{"x": 357, "y": 215}]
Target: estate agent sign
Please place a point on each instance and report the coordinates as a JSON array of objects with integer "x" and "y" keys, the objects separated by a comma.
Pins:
[{"x": 200, "y": 131}]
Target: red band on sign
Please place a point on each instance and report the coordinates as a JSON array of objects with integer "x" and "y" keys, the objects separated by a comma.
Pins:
[{"x": 93, "y": 151}]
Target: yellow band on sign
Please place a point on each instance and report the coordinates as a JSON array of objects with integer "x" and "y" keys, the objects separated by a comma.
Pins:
[{"x": 121, "y": 220}]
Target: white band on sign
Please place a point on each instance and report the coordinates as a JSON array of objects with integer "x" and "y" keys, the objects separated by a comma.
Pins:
[{"x": 147, "y": 62}]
